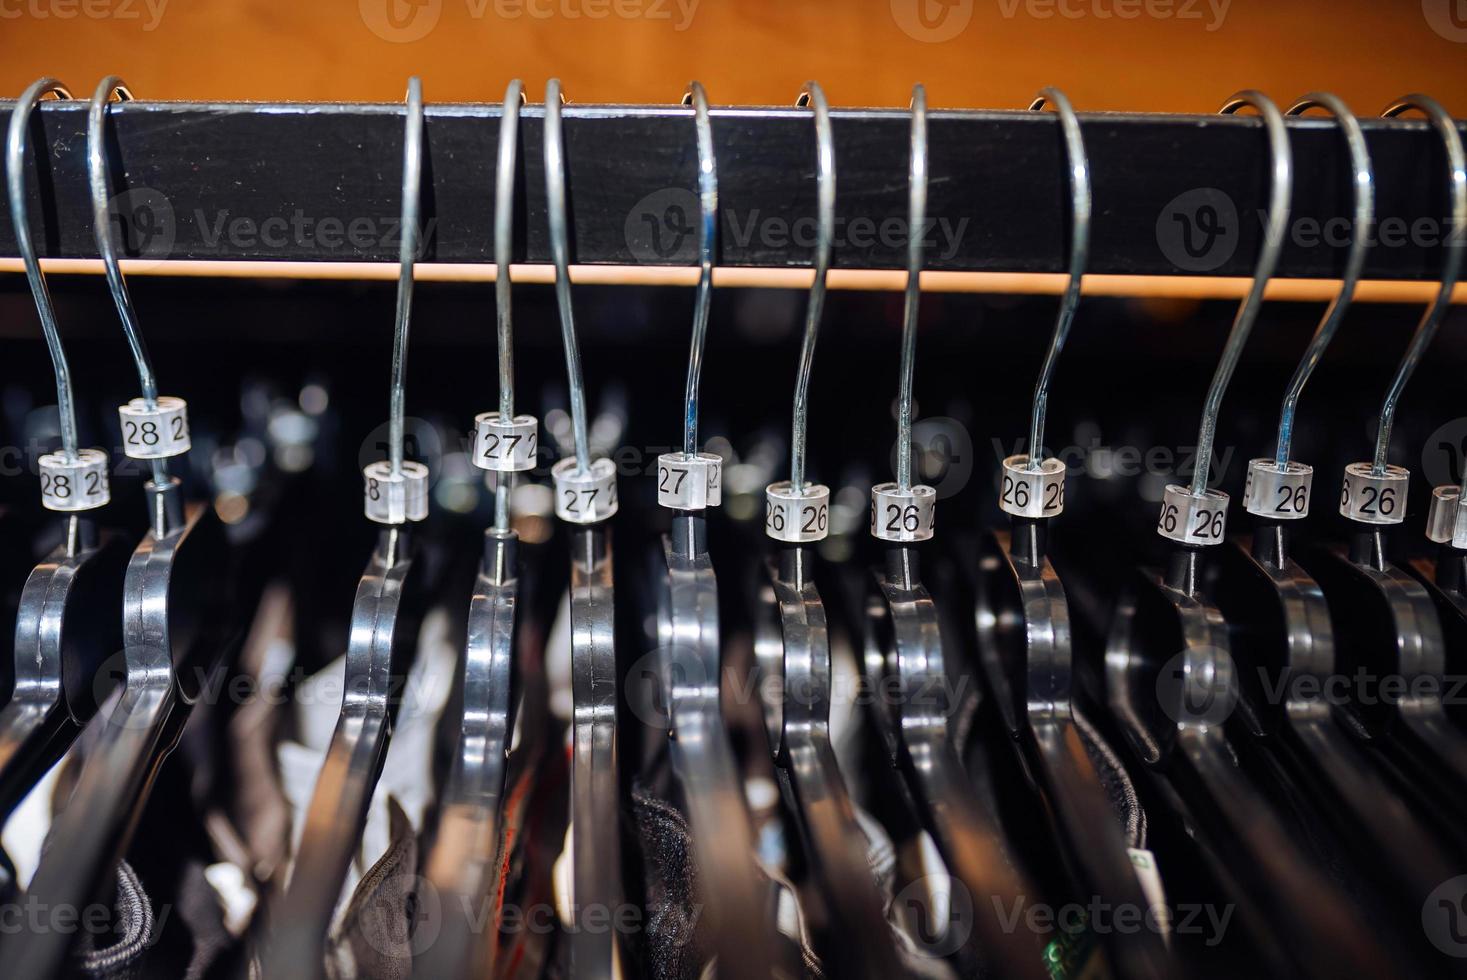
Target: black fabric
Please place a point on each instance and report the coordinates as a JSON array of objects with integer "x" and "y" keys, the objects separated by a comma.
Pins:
[
  {"x": 678, "y": 944},
  {"x": 132, "y": 921},
  {"x": 374, "y": 940},
  {"x": 1117, "y": 782},
  {"x": 675, "y": 941}
]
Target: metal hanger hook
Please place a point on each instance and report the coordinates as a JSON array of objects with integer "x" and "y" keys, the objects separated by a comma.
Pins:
[
  {"x": 916, "y": 229},
  {"x": 102, "y": 229},
  {"x": 411, "y": 235},
  {"x": 560, "y": 253},
  {"x": 509, "y": 125},
  {"x": 1445, "y": 125},
  {"x": 1280, "y": 193},
  {"x": 504, "y": 178},
  {"x": 812, "y": 95},
  {"x": 1362, "y": 173},
  {"x": 106, "y": 248},
  {"x": 707, "y": 254},
  {"x": 20, "y": 118},
  {"x": 1081, "y": 205}
]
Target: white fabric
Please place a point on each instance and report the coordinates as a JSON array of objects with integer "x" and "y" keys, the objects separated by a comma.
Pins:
[{"x": 407, "y": 772}]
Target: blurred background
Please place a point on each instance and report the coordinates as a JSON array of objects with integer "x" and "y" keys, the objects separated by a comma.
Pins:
[{"x": 1149, "y": 55}]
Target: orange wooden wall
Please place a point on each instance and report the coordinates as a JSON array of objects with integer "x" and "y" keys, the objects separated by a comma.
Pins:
[{"x": 1179, "y": 55}]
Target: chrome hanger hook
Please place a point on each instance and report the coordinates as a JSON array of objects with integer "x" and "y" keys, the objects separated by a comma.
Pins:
[
  {"x": 902, "y": 513},
  {"x": 509, "y": 124},
  {"x": 102, "y": 228},
  {"x": 397, "y": 489},
  {"x": 1426, "y": 329},
  {"x": 916, "y": 228},
  {"x": 707, "y": 249},
  {"x": 102, "y": 233},
  {"x": 1363, "y": 174},
  {"x": 690, "y": 481},
  {"x": 15, "y": 170},
  {"x": 411, "y": 236},
  {"x": 812, "y": 95},
  {"x": 1280, "y": 193},
  {"x": 560, "y": 253},
  {"x": 1081, "y": 205},
  {"x": 585, "y": 489},
  {"x": 504, "y": 177}
]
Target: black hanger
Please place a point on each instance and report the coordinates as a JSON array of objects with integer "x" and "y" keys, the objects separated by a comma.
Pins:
[
  {"x": 1284, "y": 645},
  {"x": 1386, "y": 621},
  {"x": 384, "y": 621},
  {"x": 70, "y": 615},
  {"x": 1023, "y": 623},
  {"x": 173, "y": 632},
  {"x": 463, "y": 864},
  {"x": 739, "y": 906},
  {"x": 792, "y": 646},
  {"x": 585, "y": 496},
  {"x": 904, "y": 643},
  {"x": 1171, "y": 684}
]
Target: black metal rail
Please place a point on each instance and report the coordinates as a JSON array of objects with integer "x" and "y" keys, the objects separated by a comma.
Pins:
[{"x": 1173, "y": 194}]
